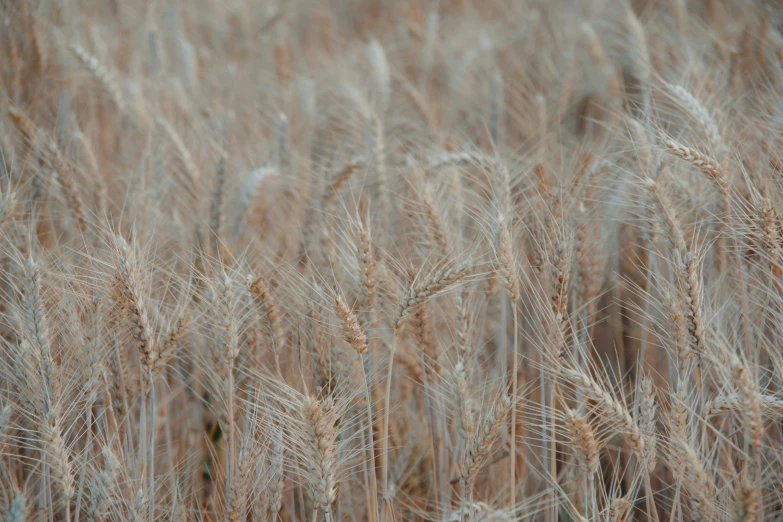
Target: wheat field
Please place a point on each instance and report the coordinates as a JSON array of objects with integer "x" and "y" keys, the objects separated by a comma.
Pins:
[{"x": 415, "y": 260}]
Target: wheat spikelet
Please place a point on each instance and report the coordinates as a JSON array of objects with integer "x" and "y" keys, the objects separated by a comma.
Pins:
[
  {"x": 647, "y": 419},
  {"x": 480, "y": 444},
  {"x": 7, "y": 208},
  {"x": 5, "y": 416},
  {"x": 174, "y": 338},
  {"x": 690, "y": 281},
  {"x": 421, "y": 325},
  {"x": 496, "y": 104},
  {"x": 561, "y": 274},
  {"x": 641, "y": 65},
  {"x": 17, "y": 508},
  {"x": 104, "y": 77},
  {"x": 700, "y": 116},
  {"x": 321, "y": 453},
  {"x": 101, "y": 486},
  {"x": 505, "y": 264},
  {"x": 275, "y": 493},
  {"x": 478, "y": 511},
  {"x": 380, "y": 68},
  {"x": 688, "y": 273},
  {"x": 61, "y": 170},
  {"x": 679, "y": 332},
  {"x": 35, "y": 321},
  {"x": 723, "y": 404},
  {"x": 191, "y": 170},
  {"x": 698, "y": 160},
  {"x": 771, "y": 241},
  {"x": 613, "y": 409},
  {"x": 63, "y": 175},
  {"x": 376, "y": 151},
  {"x": 39, "y": 44},
  {"x": 236, "y": 509},
  {"x": 420, "y": 291},
  {"x": 57, "y": 454},
  {"x": 282, "y": 131},
  {"x": 340, "y": 179},
  {"x": 696, "y": 482},
  {"x": 250, "y": 187},
  {"x": 582, "y": 436},
  {"x": 216, "y": 214},
  {"x": 463, "y": 320},
  {"x": 227, "y": 326},
  {"x": 667, "y": 214},
  {"x": 641, "y": 143},
  {"x": 619, "y": 510},
  {"x": 435, "y": 231},
  {"x": 749, "y": 403},
  {"x": 368, "y": 267},
  {"x": 133, "y": 302},
  {"x": 270, "y": 318},
  {"x": 24, "y": 124},
  {"x": 352, "y": 332},
  {"x": 95, "y": 373},
  {"x": 463, "y": 400},
  {"x": 679, "y": 422},
  {"x": 457, "y": 159},
  {"x": 747, "y": 505}
]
